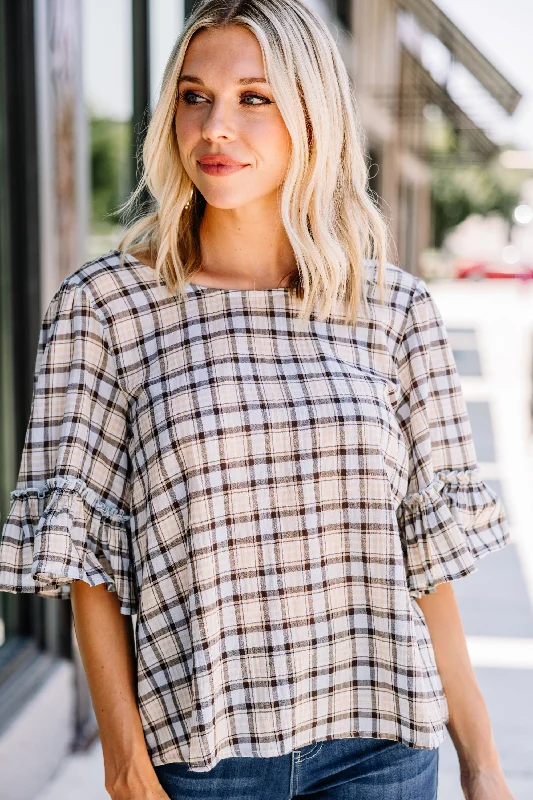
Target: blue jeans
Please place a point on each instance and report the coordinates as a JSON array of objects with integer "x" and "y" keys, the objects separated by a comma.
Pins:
[{"x": 336, "y": 769}]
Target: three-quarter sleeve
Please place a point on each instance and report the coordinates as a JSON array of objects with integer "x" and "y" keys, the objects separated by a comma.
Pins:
[
  {"x": 69, "y": 516},
  {"x": 449, "y": 517}
]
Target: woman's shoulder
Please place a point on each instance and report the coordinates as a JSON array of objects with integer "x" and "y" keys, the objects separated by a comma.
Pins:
[
  {"x": 106, "y": 269},
  {"x": 400, "y": 286},
  {"x": 112, "y": 286}
]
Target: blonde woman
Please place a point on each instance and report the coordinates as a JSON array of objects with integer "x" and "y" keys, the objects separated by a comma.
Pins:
[{"x": 248, "y": 426}]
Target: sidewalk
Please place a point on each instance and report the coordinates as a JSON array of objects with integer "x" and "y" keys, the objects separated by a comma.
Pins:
[
  {"x": 81, "y": 777},
  {"x": 491, "y": 329}
]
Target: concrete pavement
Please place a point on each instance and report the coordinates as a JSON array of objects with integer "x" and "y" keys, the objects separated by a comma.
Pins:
[{"x": 490, "y": 325}]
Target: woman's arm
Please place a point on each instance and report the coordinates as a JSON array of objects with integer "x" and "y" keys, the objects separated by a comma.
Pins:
[
  {"x": 469, "y": 726},
  {"x": 106, "y": 642}
]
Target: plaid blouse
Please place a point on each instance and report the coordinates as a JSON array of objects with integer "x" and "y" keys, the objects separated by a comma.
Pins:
[{"x": 267, "y": 497}]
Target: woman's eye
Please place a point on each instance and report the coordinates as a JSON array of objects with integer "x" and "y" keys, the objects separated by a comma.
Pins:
[
  {"x": 189, "y": 97},
  {"x": 265, "y": 100}
]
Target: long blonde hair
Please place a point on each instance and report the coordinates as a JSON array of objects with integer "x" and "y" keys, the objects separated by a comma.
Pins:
[{"x": 325, "y": 204}]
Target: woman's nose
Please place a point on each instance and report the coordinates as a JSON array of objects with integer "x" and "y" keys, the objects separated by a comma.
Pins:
[{"x": 218, "y": 123}]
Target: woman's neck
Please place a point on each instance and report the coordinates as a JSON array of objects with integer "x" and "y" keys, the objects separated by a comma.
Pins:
[
  {"x": 247, "y": 248},
  {"x": 241, "y": 249}
]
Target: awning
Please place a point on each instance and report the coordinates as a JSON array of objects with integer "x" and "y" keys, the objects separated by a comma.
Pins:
[
  {"x": 432, "y": 92},
  {"x": 435, "y": 21}
]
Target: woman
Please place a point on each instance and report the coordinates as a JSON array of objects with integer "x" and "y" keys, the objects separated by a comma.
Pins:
[{"x": 281, "y": 492}]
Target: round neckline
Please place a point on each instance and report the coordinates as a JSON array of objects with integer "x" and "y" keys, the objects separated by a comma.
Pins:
[
  {"x": 203, "y": 289},
  {"x": 197, "y": 287}
]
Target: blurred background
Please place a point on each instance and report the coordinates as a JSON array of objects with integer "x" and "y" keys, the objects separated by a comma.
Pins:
[{"x": 445, "y": 92}]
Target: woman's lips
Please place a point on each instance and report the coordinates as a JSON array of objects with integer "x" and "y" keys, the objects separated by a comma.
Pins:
[{"x": 220, "y": 169}]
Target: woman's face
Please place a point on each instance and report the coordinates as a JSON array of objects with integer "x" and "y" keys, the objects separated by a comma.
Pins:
[{"x": 226, "y": 108}]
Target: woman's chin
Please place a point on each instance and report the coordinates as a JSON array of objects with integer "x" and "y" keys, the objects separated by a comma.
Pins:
[{"x": 225, "y": 201}]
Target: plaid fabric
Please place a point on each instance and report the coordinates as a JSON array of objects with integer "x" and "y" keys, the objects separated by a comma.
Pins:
[{"x": 266, "y": 496}]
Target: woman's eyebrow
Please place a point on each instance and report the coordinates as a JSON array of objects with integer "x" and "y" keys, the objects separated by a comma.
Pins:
[{"x": 241, "y": 81}]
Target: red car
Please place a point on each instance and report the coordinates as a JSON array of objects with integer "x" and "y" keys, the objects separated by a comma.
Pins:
[{"x": 476, "y": 270}]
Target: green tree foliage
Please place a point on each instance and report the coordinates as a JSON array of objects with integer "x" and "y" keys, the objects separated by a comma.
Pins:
[
  {"x": 110, "y": 170},
  {"x": 458, "y": 192},
  {"x": 462, "y": 186}
]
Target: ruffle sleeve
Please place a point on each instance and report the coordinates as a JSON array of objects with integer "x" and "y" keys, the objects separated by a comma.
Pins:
[
  {"x": 449, "y": 517},
  {"x": 69, "y": 516}
]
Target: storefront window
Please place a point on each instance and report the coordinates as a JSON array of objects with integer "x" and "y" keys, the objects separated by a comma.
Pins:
[{"x": 108, "y": 89}]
